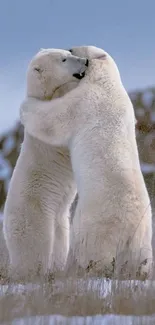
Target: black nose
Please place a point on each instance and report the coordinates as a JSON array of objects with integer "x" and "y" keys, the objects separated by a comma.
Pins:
[{"x": 87, "y": 63}]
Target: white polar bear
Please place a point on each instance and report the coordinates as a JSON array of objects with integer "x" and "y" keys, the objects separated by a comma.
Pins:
[
  {"x": 42, "y": 188},
  {"x": 112, "y": 227}
]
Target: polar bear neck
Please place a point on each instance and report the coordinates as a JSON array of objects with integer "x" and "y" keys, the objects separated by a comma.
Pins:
[
  {"x": 61, "y": 91},
  {"x": 39, "y": 92}
]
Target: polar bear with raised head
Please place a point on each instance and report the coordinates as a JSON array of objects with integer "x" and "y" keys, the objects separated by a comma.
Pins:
[
  {"x": 42, "y": 188},
  {"x": 112, "y": 227}
]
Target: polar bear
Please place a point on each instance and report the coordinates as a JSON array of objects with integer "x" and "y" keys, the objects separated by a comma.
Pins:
[
  {"x": 112, "y": 226},
  {"x": 42, "y": 188}
]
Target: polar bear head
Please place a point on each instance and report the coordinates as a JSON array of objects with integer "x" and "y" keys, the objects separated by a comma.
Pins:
[
  {"x": 90, "y": 52},
  {"x": 105, "y": 66},
  {"x": 52, "y": 68}
]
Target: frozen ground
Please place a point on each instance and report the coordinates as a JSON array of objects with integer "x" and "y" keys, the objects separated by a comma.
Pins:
[
  {"x": 88, "y": 320},
  {"x": 106, "y": 301}
]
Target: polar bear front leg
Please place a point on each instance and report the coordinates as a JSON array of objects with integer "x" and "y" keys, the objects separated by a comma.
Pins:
[{"x": 49, "y": 121}]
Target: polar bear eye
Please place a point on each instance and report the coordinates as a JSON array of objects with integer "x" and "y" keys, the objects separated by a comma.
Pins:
[
  {"x": 63, "y": 60},
  {"x": 37, "y": 69},
  {"x": 70, "y": 50}
]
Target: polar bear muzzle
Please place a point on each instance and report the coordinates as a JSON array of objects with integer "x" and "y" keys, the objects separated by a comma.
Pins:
[
  {"x": 79, "y": 75},
  {"x": 82, "y": 74}
]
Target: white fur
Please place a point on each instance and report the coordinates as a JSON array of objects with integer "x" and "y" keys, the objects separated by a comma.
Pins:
[
  {"x": 4, "y": 256},
  {"x": 36, "y": 224},
  {"x": 113, "y": 221}
]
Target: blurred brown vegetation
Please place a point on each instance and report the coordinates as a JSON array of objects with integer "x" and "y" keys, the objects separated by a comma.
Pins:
[{"x": 144, "y": 104}]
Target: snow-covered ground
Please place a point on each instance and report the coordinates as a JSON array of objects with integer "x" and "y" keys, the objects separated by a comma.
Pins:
[
  {"x": 102, "y": 287},
  {"x": 88, "y": 320},
  {"x": 103, "y": 290}
]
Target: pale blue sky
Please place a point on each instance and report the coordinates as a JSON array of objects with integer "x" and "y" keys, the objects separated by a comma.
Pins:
[{"x": 126, "y": 29}]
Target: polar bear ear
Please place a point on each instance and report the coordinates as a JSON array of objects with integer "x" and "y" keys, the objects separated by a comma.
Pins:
[{"x": 102, "y": 57}]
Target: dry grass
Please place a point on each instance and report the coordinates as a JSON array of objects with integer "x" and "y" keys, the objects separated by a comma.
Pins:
[{"x": 71, "y": 297}]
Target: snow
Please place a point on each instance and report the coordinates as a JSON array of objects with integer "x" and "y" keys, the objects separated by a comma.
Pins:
[
  {"x": 88, "y": 320},
  {"x": 147, "y": 168},
  {"x": 102, "y": 287}
]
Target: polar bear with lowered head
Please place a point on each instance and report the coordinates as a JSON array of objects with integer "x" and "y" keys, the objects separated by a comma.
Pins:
[
  {"x": 42, "y": 188},
  {"x": 112, "y": 227}
]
